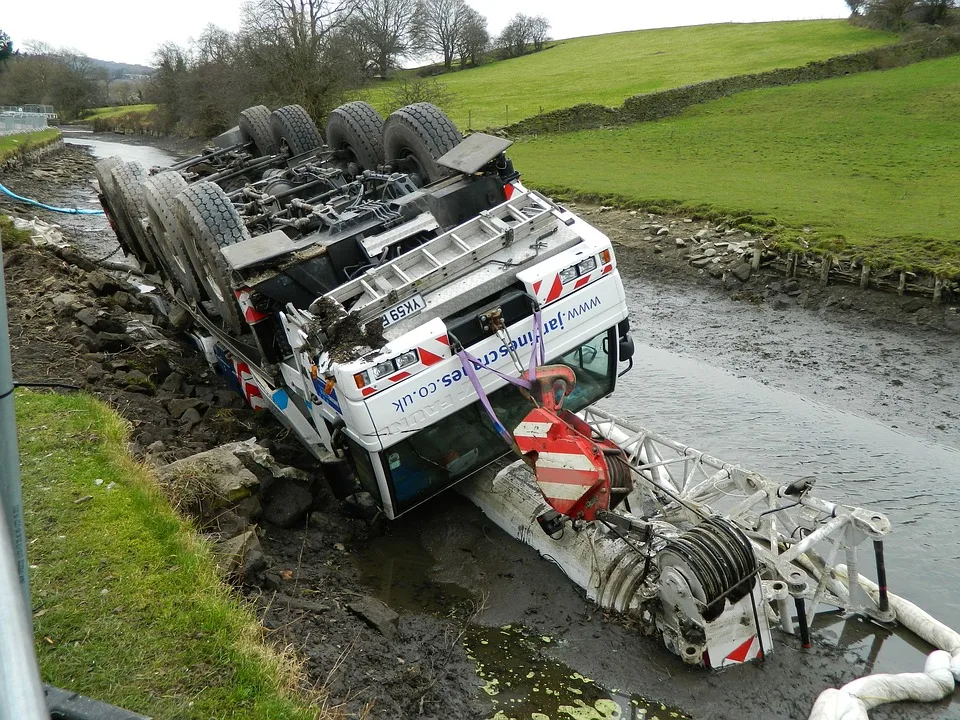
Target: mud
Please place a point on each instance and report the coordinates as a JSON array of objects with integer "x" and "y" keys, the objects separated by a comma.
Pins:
[{"x": 738, "y": 370}]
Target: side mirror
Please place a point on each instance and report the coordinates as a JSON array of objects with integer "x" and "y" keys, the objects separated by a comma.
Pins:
[{"x": 626, "y": 348}]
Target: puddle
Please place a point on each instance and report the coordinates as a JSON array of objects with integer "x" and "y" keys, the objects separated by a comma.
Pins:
[{"x": 524, "y": 683}]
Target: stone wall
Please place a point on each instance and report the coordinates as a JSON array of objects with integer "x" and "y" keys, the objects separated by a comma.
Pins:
[{"x": 656, "y": 105}]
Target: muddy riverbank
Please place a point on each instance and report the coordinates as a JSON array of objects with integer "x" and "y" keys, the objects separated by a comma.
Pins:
[{"x": 837, "y": 386}]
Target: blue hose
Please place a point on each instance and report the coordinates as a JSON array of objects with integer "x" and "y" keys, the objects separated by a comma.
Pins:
[{"x": 68, "y": 211}]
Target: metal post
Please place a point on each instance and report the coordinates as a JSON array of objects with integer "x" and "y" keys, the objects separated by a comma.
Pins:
[
  {"x": 10, "y": 494},
  {"x": 21, "y": 694}
]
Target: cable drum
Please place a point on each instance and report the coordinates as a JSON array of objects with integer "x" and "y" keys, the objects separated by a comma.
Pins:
[
  {"x": 720, "y": 559},
  {"x": 620, "y": 476}
]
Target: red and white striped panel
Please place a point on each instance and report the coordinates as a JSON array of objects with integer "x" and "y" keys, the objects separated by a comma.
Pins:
[
  {"x": 550, "y": 289},
  {"x": 567, "y": 463},
  {"x": 250, "y": 313},
  {"x": 248, "y": 383}
]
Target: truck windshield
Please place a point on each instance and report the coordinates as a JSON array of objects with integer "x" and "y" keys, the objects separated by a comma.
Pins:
[{"x": 464, "y": 442}]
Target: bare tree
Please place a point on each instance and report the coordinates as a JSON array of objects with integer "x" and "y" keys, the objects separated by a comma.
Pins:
[
  {"x": 474, "y": 39},
  {"x": 438, "y": 26},
  {"x": 856, "y": 6},
  {"x": 890, "y": 14},
  {"x": 515, "y": 36},
  {"x": 385, "y": 27},
  {"x": 934, "y": 12},
  {"x": 539, "y": 31}
]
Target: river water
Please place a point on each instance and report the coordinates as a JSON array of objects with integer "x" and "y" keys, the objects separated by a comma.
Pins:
[{"x": 755, "y": 407}]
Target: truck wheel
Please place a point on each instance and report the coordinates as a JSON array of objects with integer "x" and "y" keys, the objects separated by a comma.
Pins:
[
  {"x": 356, "y": 131},
  {"x": 108, "y": 191},
  {"x": 292, "y": 127},
  {"x": 255, "y": 125},
  {"x": 209, "y": 221},
  {"x": 415, "y": 136},
  {"x": 158, "y": 193},
  {"x": 128, "y": 178}
]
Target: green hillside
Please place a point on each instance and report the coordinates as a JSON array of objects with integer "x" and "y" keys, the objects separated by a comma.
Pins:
[
  {"x": 870, "y": 158},
  {"x": 606, "y": 69}
]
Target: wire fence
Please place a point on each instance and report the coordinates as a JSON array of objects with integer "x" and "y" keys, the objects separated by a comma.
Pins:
[{"x": 13, "y": 123}]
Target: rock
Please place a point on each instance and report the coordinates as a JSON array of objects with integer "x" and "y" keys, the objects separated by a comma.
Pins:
[
  {"x": 178, "y": 317},
  {"x": 742, "y": 272},
  {"x": 137, "y": 377},
  {"x": 87, "y": 316},
  {"x": 700, "y": 261},
  {"x": 663, "y": 231},
  {"x": 790, "y": 286},
  {"x": 730, "y": 231},
  {"x": 705, "y": 233},
  {"x": 253, "y": 565},
  {"x": 913, "y": 304},
  {"x": 710, "y": 252},
  {"x": 680, "y": 242},
  {"x": 377, "y": 615},
  {"x": 172, "y": 382},
  {"x": 64, "y": 300},
  {"x": 95, "y": 372},
  {"x": 231, "y": 554},
  {"x": 178, "y": 406},
  {"x": 218, "y": 475},
  {"x": 716, "y": 271},
  {"x": 657, "y": 249},
  {"x": 249, "y": 508},
  {"x": 190, "y": 417},
  {"x": 156, "y": 447},
  {"x": 782, "y": 302},
  {"x": 110, "y": 342},
  {"x": 287, "y": 503},
  {"x": 730, "y": 281},
  {"x": 228, "y": 524},
  {"x": 604, "y": 208},
  {"x": 103, "y": 284},
  {"x": 300, "y": 604}
]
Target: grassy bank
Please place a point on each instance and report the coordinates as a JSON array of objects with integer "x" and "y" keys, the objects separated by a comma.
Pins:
[
  {"x": 606, "y": 69},
  {"x": 128, "y": 606},
  {"x": 118, "y": 111},
  {"x": 868, "y": 161},
  {"x": 12, "y": 145}
]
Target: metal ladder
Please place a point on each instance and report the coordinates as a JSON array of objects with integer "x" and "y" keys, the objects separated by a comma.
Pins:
[{"x": 445, "y": 257}]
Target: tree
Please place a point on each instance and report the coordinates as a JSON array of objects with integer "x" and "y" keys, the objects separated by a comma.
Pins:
[
  {"x": 539, "y": 32},
  {"x": 289, "y": 48},
  {"x": 856, "y": 6},
  {"x": 890, "y": 14},
  {"x": 6, "y": 49},
  {"x": 384, "y": 26},
  {"x": 474, "y": 38},
  {"x": 438, "y": 25},
  {"x": 515, "y": 36},
  {"x": 934, "y": 12}
]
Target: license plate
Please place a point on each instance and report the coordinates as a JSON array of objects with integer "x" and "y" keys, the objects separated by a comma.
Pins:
[{"x": 408, "y": 308}]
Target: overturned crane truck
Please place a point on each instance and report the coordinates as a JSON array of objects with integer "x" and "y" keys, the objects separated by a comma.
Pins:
[{"x": 397, "y": 297}]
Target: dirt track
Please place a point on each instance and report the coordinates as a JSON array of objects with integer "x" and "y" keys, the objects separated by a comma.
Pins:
[{"x": 860, "y": 352}]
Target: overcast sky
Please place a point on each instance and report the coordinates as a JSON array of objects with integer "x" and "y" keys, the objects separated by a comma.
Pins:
[{"x": 126, "y": 31}]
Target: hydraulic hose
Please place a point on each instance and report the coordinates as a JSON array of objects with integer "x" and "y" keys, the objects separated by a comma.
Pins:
[{"x": 35, "y": 203}]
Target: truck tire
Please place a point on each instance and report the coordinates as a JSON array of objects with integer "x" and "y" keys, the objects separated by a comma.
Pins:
[
  {"x": 291, "y": 126},
  {"x": 415, "y": 136},
  {"x": 356, "y": 130},
  {"x": 128, "y": 178},
  {"x": 255, "y": 125},
  {"x": 208, "y": 220},
  {"x": 158, "y": 193},
  {"x": 108, "y": 190}
]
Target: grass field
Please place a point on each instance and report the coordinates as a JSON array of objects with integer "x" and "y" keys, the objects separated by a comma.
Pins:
[
  {"x": 606, "y": 69},
  {"x": 12, "y": 144},
  {"x": 112, "y": 112},
  {"x": 869, "y": 161},
  {"x": 128, "y": 606}
]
